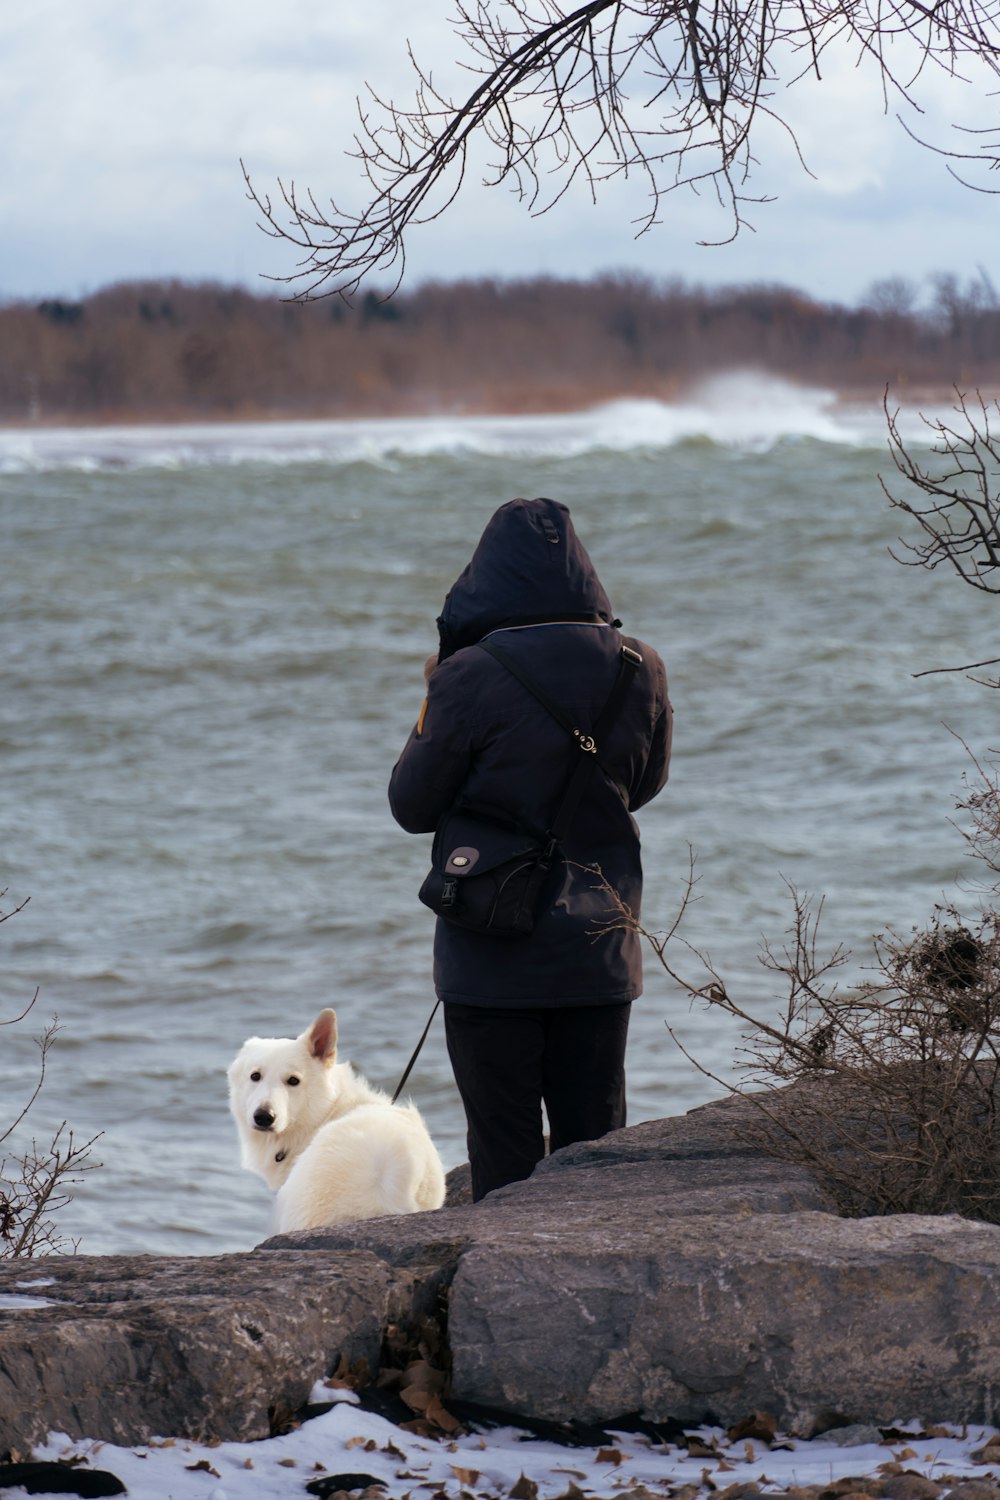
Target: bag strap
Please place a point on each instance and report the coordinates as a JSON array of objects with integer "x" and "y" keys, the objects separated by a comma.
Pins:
[{"x": 629, "y": 661}]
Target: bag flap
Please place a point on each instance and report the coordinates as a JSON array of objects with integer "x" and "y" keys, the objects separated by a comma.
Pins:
[{"x": 466, "y": 844}]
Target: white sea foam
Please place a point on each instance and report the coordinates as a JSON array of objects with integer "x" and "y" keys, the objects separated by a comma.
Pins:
[{"x": 739, "y": 410}]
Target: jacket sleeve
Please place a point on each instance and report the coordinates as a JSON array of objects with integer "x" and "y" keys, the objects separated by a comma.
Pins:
[
  {"x": 435, "y": 762},
  {"x": 657, "y": 767}
]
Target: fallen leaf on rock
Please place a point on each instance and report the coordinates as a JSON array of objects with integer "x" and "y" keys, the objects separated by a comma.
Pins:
[
  {"x": 759, "y": 1424},
  {"x": 423, "y": 1376},
  {"x": 523, "y": 1489},
  {"x": 441, "y": 1417},
  {"x": 203, "y": 1467},
  {"x": 348, "y": 1376}
]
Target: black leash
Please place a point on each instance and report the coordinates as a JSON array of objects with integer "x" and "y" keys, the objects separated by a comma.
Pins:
[{"x": 416, "y": 1053}]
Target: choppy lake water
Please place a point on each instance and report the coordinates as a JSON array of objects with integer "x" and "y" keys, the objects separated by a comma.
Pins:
[{"x": 212, "y": 650}]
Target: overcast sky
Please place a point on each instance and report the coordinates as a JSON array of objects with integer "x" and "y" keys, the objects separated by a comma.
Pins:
[{"x": 122, "y": 126}]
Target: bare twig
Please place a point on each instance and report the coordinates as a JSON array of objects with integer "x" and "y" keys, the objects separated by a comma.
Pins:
[
  {"x": 888, "y": 1091},
  {"x": 668, "y": 91}
]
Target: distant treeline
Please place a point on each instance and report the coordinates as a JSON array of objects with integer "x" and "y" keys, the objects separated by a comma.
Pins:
[{"x": 171, "y": 350}]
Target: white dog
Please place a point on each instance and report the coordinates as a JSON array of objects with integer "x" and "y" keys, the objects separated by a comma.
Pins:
[{"x": 332, "y": 1147}]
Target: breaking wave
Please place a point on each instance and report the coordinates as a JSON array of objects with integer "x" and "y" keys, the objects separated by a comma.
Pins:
[{"x": 741, "y": 411}]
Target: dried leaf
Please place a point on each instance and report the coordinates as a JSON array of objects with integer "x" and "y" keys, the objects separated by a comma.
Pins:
[
  {"x": 760, "y": 1425},
  {"x": 904, "y": 1454},
  {"x": 609, "y": 1456},
  {"x": 724, "y": 1468},
  {"x": 698, "y": 1448},
  {"x": 392, "y": 1450},
  {"x": 420, "y": 1427},
  {"x": 203, "y": 1467},
  {"x": 287, "y": 1463},
  {"x": 348, "y": 1376},
  {"x": 523, "y": 1489},
  {"x": 464, "y": 1476},
  {"x": 573, "y": 1473},
  {"x": 441, "y": 1417},
  {"x": 571, "y": 1492}
]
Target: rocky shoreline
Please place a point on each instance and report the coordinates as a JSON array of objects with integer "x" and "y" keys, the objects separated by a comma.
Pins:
[{"x": 670, "y": 1271}]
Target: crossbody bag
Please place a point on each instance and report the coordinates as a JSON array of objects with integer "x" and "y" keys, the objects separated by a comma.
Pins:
[{"x": 489, "y": 874}]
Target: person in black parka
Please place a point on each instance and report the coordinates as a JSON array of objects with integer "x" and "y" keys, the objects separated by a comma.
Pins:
[{"x": 542, "y": 1017}]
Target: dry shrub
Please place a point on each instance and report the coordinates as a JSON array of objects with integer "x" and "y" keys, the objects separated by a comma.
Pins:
[
  {"x": 887, "y": 1091},
  {"x": 35, "y": 1184}
]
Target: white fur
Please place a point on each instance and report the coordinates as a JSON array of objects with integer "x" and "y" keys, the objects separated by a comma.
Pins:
[{"x": 330, "y": 1146}]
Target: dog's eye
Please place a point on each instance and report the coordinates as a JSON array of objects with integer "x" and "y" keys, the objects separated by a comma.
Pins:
[
  {"x": 292, "y": 1081},
  {"x": 255, "y": 1077}
]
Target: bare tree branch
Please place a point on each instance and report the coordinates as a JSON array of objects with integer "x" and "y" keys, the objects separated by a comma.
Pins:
[
  {"x": 957, "y": 502},
  {"x": 666, "y": 90}
]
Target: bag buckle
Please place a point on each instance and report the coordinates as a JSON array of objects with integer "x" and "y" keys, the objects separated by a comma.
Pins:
[{"x": 586, "y": 742}]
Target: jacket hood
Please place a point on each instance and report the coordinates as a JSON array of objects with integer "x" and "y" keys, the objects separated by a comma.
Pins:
[{"x": 529, "y": 566}]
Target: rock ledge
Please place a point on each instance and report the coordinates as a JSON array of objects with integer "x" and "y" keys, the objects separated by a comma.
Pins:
[{"x": 667, "y": 1270}]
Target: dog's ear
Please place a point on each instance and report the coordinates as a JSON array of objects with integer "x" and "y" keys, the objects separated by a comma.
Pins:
[{"x": 323, "y": 1036}]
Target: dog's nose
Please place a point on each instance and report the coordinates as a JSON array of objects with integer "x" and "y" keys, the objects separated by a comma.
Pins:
[{"x": 263, "y": 1118}]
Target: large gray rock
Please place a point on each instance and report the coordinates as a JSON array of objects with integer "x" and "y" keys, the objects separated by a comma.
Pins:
[
  {"x": 133, "y": 1347},
  {"x": 710, "y": 1319},
  {"x": 673, "y": 1269}
]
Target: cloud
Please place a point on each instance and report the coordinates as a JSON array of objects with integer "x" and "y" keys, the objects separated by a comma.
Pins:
[{"x": 122, "y": 128}]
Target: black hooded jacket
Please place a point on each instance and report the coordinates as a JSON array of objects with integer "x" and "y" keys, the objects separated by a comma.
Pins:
[{"x": 532, "y": 587}]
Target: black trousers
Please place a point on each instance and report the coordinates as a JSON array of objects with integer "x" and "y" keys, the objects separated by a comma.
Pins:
[{"x": 508, "y": 1062}]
